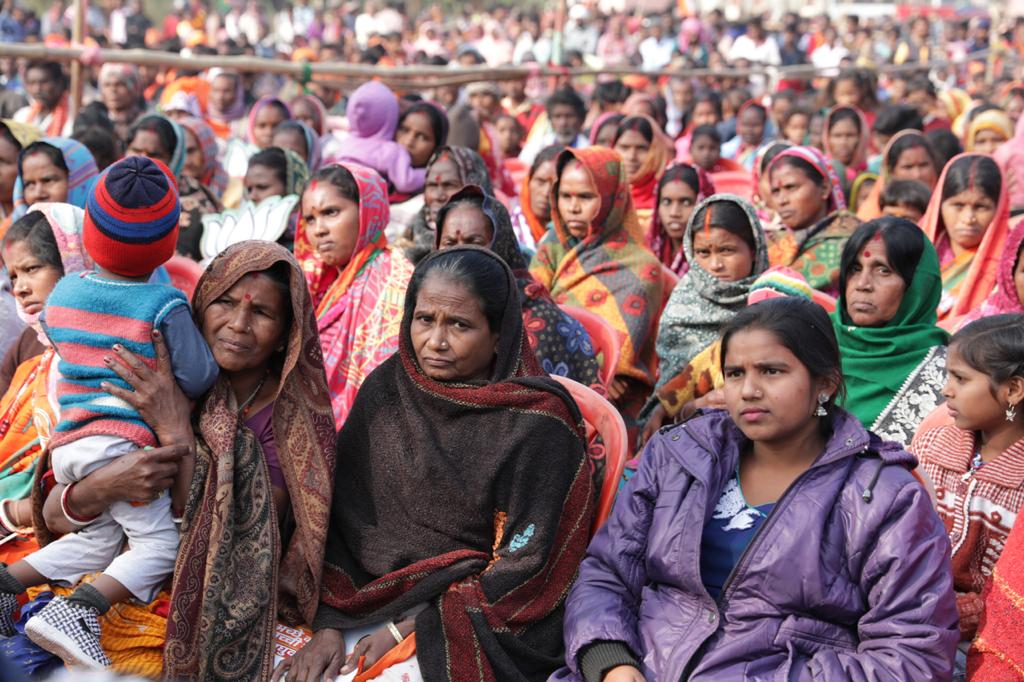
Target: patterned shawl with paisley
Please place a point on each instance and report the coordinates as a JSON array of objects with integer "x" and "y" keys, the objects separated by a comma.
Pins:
[
  {"x": 358, "y": 307},
  {"x": 234, "y": 575},
  {"x": 491, "y": 548},
  {"x": 609, "y": 271}
]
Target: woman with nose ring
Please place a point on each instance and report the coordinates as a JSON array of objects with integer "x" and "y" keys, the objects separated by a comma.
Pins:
[{"x": 894, "y": 355}]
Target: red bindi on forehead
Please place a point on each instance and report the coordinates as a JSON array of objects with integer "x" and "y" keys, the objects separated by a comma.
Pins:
[{"x": 874, "y": 241}]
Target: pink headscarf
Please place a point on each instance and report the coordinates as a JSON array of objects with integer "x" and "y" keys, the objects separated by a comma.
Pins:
[
  {"x": 1010, "y": 157},
  {"x": 1004, "y": 299},
  {"x": 256, "y": 108},
  {"x": 837, "y": 202},
  {"x": 66, "y": 223},
  {"x": 657, "y": 238}
]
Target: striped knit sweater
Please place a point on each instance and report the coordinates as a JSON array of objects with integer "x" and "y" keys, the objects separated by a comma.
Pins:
[
  {"x": 85, "y": 316},
  {"x": 978, "y": 509}
]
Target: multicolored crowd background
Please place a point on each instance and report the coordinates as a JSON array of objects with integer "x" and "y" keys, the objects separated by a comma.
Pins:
[{"x": 572, "y": 342}]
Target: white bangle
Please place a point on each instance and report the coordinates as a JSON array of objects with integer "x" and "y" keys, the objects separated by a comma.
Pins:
[
  {"x": 10, "y": 525},
  {"x": 393, "y": 629}
]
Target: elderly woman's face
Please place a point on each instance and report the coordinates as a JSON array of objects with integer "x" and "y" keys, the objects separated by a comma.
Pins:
[
  {"x": 115, "y": 93},
  {"x": 247, "y": 324},
  {"x": 443, "y": 180},
  {"x": 466, "y": 225},
  {"x": 450, "y": 334},
  {"x": 874, "y": 290}
]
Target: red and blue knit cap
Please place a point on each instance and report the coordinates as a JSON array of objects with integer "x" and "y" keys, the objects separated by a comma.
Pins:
[{"x": 131, "y": 217}]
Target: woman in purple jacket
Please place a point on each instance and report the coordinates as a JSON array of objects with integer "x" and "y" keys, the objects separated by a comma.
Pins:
[{"x": 778, "y": 541}]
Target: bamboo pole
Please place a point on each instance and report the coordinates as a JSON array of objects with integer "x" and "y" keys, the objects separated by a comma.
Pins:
[
  {"x": 412, "y": 77},
  {"x": 77, "y": 70}
]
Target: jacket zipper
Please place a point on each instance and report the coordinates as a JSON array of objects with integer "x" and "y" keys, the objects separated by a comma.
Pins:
[
  {"x": 694, "y": 662},
  {"x": 764, "y": 526}
]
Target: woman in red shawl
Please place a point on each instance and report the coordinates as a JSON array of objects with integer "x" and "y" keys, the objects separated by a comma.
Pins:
[
  {"x": 356, "y": 279},
  {"x": 968, "y": 221},
  {"x": 681, "y": 188},
  {"x": 645, "y": 152}
]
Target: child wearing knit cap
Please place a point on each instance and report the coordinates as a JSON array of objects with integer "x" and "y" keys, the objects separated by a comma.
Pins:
[{"x": 130, "y": 229}]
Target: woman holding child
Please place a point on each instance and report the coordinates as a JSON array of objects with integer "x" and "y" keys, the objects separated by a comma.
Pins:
[{"x": 265, "y": 422}]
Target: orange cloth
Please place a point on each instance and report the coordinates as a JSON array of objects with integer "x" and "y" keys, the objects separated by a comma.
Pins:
[
  {"x": 981, "y": 274},
  {"x": 537, "y": 228},
  {"x": 26, "y": 421},
  {"x": 58, "y": 119},
  {"x": 192, "y": 85},
  {"x": 398, "y": 654},
  {"x": 131, "y": 634}
]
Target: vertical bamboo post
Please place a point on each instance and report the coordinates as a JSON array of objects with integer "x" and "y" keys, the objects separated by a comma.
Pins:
[{"x": 77, "y": 69}]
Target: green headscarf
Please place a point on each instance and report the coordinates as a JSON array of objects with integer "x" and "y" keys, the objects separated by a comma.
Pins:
[
  {"x": 296, "y": 173},
  {"x": 878, "y": 360}
]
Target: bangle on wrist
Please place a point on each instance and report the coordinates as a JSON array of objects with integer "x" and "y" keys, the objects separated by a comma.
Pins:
[
  {"x": 395, "y": 632},
  {"x": 73, "y": 518},
  {"x": 8, "y": 523}
]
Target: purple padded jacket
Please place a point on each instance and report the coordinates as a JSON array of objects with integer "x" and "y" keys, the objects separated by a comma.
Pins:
[{"x": 848, "y": 578}]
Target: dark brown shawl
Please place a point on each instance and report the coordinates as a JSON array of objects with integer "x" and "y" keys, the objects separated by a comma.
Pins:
[
  {"x": 473, "y": 499},
  {"x": 230, "y": 580}
]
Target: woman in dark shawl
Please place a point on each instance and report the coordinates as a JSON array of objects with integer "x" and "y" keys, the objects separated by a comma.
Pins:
[
  {"x": 441, "y": 530},
  {"x": 561, "y": 343},
  {"x": 450, "y": 168}
]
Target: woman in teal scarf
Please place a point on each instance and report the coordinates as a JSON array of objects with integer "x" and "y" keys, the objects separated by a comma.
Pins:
[{"x": 894, "y": 354}]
